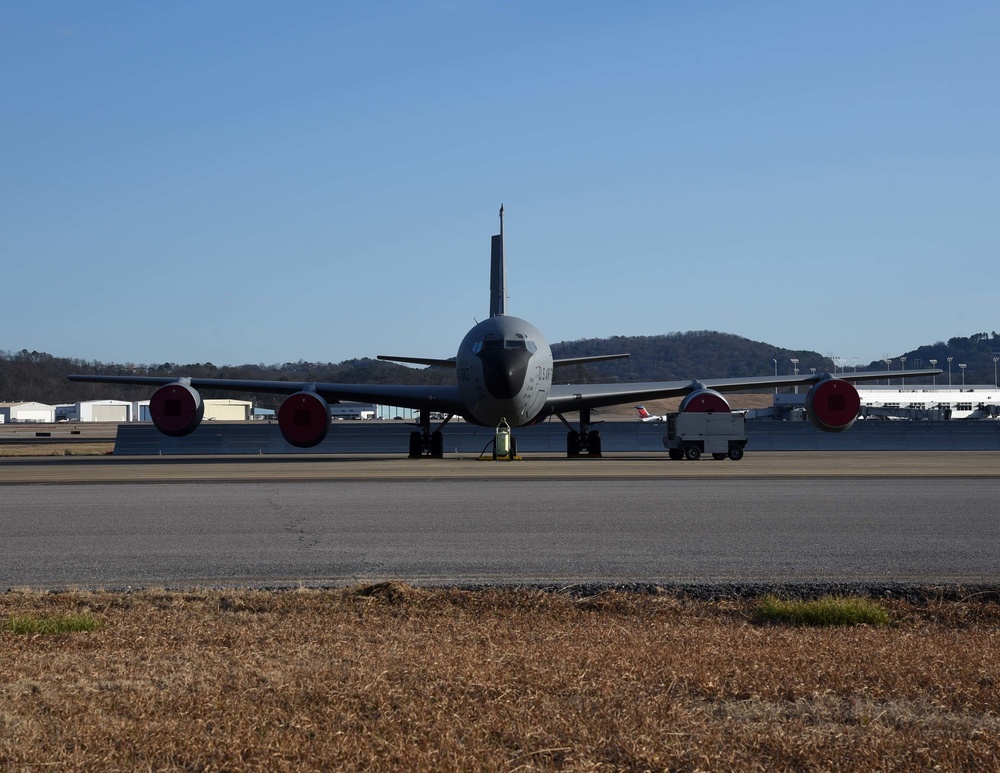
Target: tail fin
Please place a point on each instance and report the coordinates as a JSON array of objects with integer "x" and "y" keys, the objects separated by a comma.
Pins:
[
  {"x": 498, "y": 274},
  {"x": 643, "y": 413}
]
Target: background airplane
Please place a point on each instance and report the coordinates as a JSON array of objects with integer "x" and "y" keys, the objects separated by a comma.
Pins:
[
  {"x": 645, "y": 415},
  {"x": 504, "y": 371}
]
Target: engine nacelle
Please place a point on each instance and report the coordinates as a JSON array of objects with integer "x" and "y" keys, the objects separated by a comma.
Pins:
[
  {"x": 304, "y": 419},
  {"x": 704, "y": 401},
  {"x": 833, "y": 405},
  {"x": 176, "y": 409}
]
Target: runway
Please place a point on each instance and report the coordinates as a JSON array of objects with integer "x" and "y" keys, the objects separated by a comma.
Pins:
[{"x": 688, "y": 524}]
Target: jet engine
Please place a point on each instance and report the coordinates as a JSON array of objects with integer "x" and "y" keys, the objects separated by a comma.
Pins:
[
  {"x": 832, "y": 405},
  {"x": 304, "y": 419},
  {"x": 704, "y": 401},
  {"x": 176, "y": 409}
]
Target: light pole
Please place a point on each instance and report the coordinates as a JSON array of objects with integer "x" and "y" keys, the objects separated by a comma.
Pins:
[
  {"x": 888, "y": 366},
  {"x": 902, "y": 366},
  {"x": 995, "y": 371},
  {"x": 775, "y": 360},
  {"x": 795, "y": 370},
  {"x": 949, "y": 370},
  {"x": 962, "y": 366},
  {"x": 934, "y": 365}
]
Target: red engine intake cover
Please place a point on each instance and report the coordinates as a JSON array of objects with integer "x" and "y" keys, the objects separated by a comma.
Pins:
[
  {"x": 704, "y": 401},
  {"x": 176, "y": 409},
  {"x": 304, "y": 419},
  {"x": 832, "y": 405}
]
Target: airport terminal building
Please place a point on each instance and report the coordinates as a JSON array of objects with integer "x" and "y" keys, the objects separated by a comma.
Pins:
[{"x": 901, "y": 402}]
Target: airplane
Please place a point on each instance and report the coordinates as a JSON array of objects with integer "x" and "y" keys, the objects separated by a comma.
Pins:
[
  {"x": 645, "y": 415},
  {"x": 504, "y": 372}
]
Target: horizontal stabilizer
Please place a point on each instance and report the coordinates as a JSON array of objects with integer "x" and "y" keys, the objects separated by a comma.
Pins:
[
  {"x": 585, "y": 360},
  {"x": 419, "y": 361}
]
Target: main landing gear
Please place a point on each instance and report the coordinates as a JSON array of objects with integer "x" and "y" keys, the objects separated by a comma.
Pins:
[
  {"x": 425, "y": 442},
  {"x": 583, "y": 441}
]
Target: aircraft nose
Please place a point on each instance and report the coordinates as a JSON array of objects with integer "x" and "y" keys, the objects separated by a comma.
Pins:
[{"x": 505, "y": 371}]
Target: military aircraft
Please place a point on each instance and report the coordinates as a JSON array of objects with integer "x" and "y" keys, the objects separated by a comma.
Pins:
[{"x": 504, "y": 372}]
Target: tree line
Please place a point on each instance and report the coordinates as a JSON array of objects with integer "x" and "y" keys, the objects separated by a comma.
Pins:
[{"x": 37, "y": 376}]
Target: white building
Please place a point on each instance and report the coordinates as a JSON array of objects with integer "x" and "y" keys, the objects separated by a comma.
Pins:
[
  {"x": 348, "y": 410},
  {"x": 903, "y": 402},
  {"x": 972, "y": 402},
  {"x": 215, "y": 410},
  {"x": 228, "y": 410},
  {"x": 38, "y": 413},
  {"x": 96, "y": 410}
]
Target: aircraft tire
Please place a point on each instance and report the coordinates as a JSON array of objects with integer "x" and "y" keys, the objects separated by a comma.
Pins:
[
  {"x": 572, "y": 443},
  {"x": 719, "y": 457},
  {"x": 693, "y": 453},
  {"x": 437, "y": 445},
  {"x": 415, "y": 445},
  {"x": 594, "y": 443},
  {"x": 675, "y": 454},
  {"x": 735, "y": 453}
]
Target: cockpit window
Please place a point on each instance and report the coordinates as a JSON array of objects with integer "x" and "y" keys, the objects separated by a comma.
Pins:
[{"x": 491, "y": 344}]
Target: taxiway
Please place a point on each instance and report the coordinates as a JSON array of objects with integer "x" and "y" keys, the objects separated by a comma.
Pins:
[{"x": 833, "y": 518}]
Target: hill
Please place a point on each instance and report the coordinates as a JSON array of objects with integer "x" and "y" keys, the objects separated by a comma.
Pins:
[
  {"x": 696, "y": 354},
  {"x": 976, "y": 352}
]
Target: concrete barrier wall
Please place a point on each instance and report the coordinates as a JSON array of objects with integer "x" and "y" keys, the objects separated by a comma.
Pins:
[{"x": 388, "y": 437}]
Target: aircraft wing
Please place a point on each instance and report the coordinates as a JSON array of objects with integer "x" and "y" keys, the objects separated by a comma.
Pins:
[
  {"x": 572, "y": 397},
  {"x": 442, "y": 399},
  {"x": 588, "y": 360},
  {"x": 450, "y": 363}
]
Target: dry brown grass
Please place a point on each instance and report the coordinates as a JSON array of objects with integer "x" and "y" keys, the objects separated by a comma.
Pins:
[
  {"x": 56, "y": 449},
  {"x": 396, "y": 678}
]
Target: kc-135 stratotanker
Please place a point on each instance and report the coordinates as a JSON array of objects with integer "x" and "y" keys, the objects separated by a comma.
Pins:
[{"x": 504, "y": 372}]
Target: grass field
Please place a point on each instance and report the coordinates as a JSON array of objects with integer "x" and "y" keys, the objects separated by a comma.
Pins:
[{"x": 396, "y": 678}]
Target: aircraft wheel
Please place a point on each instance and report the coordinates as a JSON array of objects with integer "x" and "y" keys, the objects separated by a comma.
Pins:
[
  {"x": 437, "y": 445},
  {"x": 719, "y": 457},
  {"x": 676, "y": 454},
  {"x": 693, "y": 453},
  {"x": 735, "y": 453},
  {"x": 594, "y": 443},
  {"x": 416, "y": 451},
  {"x": 572, "y": 443}
]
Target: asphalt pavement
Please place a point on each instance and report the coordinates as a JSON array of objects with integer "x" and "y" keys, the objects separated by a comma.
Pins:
[{"x": 805, "y": 529}]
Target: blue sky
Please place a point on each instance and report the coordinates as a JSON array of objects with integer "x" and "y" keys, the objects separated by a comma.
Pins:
[{"x": 262, "y": 182}]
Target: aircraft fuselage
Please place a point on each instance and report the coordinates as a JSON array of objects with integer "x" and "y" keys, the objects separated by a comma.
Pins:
[{"x": 504, "y": 371}]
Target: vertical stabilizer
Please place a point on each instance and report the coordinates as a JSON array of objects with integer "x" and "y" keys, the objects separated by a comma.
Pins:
[{"x": 498, "y": 274}]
